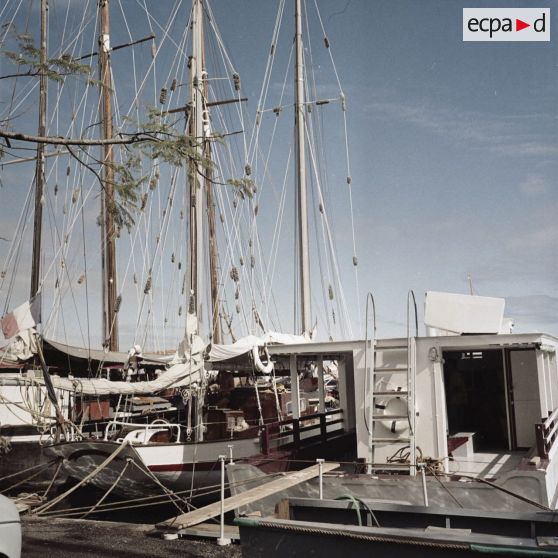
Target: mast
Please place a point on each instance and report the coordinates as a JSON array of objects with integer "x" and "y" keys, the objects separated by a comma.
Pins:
[
  {"x": 196, "y": 191},
  {"x": 213, "y": 258},
  {"x": 300, "y": 162},
  {"x": 40, "y": 164},
  {"x": 108, "y": 247},
  {"x": 215, "y": 320}
]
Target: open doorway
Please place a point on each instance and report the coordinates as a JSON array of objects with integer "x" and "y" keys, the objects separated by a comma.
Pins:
[{"x": 475, "y": 388}]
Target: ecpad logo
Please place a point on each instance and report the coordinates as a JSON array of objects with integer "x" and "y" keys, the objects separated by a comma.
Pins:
[{"x": 506, "y": 24}]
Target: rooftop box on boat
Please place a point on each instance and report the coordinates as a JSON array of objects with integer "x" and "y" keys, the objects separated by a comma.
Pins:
[{"x": 458, "y": 314}]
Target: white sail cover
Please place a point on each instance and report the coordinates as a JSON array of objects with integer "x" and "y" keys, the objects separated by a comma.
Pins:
[
  {"x": 245, "y": 345},
  {"x": 176, "y": 376},
  {"x": 20, "y": 348}
]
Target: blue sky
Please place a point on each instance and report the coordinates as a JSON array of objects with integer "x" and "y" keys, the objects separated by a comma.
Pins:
[{"x": 453, "y": 151}]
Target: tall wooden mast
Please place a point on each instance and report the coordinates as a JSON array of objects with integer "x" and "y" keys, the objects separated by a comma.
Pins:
[
  {"x": 110, "y": 318},
  {"x": 300, "y": 163},
  {"x": 213, "y": 257},
  {"x": 215, "y": 320},
  {"x": 40, "y": 164},
  {"x": 196, "y": 172}
]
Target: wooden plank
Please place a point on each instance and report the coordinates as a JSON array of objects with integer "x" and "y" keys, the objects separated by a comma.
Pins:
[
  {"x": 211, "y": 531},
  {"x": 252, "y": 495}
]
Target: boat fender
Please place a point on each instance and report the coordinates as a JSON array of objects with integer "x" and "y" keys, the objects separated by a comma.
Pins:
[
  {"x": 396, "y": 405},
  {"x": 260, "y": 366}
]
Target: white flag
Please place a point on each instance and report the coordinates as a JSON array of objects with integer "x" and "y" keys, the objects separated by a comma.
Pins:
[{"x": 23, "y": 317}]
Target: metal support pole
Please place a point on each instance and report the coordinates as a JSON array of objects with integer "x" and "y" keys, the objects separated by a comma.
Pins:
[
  {"x": 321, "y": 385},
  {"x": 320, "y": 463},
  {"x": 222, "y": 541},
  {"x": 230, "y": 446},
  {"x": 295, "y": 389},
  {"x": 424, "y": 491}
]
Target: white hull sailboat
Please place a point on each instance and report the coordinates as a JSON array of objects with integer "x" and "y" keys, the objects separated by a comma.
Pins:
[{"x": 186, "y": 455}]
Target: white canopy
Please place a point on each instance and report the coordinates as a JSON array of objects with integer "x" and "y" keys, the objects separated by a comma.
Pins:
[{"x": 219, "y": 353}]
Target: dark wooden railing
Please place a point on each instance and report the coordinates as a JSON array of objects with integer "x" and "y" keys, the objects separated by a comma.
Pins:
[
  {"x": 546, "y": 434},
  {"x": 277, "y": 435}
]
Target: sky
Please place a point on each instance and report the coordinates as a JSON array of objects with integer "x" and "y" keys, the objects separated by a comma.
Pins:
[{"x": 453, "y": 153}]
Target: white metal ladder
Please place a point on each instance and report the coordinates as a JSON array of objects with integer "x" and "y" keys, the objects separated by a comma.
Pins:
[{"x": 374, "y": 397}]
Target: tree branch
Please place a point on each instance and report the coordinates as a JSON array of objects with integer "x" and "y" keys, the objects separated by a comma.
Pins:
[
  {"x": 35, "y": 74},
  {"x": 135, "y": 138}
]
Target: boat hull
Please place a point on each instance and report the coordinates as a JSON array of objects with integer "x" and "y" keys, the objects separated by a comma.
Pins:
[{"x": 190, "y": 468}]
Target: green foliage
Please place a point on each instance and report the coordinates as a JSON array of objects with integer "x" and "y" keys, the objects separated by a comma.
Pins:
[
  {"x": 165, "y": 144},
  {"x": 168, "y": 145},
  {"x": 126, "y": 188},
  {"x": 56, "y": 69},
  {"x": 245, "y": 186}
]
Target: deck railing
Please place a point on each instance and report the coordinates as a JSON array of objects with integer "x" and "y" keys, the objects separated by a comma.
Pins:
[
  {"x": 143, "y": 428},
  {"x": 319, "y": 426},
  {"x": 546, "y": 434}
]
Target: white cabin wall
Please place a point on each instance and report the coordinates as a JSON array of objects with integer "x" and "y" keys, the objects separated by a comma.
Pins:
[
  {"x": 429, "y": 397},
  {"x": 526, "y": 400},
  {"x": 429, "y": 402},
  {"x": 431, "y": 421},
  {"x": 390, "y": 358},
  {"x": 359, "y": 403}
]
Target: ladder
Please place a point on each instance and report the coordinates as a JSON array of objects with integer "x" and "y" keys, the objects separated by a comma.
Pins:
[{"x": 406, "y": 392}]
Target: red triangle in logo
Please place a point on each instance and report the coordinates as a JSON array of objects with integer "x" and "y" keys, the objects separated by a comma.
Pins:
[{"x": 519, "y": 25}]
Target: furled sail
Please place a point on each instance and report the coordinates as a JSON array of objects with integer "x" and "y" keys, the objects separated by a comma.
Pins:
[{"x": 178, "y": 375}]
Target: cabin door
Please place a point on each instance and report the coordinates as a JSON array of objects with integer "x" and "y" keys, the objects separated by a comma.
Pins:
[
  {"x": 523, "y": 396},
  {"x": 475, "y": 385}
]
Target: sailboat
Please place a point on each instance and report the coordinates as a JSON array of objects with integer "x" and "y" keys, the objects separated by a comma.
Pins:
[
  {"x": 462, "y": 416},
  {"x": 230, "y": 416}
]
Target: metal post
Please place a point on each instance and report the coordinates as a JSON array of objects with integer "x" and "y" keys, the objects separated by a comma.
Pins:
[
  {"x": 230, "y": 446},
  {"x": 295, "y": 389},
  {"x": 321, "y": 385},
  {"x": 320, "y": 463},
  {"x": 424, "y": 491},
  {"x": 222, "y": 541}
]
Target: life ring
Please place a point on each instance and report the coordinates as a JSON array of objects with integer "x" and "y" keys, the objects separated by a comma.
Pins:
[
  {"x": 260, "y": 366},
  {"x": 396, "y": 405}
]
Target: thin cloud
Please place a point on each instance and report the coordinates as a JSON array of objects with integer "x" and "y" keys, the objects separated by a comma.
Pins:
[
  {"x": 504, "y": 135},
  {"x": 534, "y": 184},
  {"x": 540, "y": 238}
]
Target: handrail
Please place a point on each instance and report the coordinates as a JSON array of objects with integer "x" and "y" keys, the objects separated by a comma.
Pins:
[
  {"x": 146, "y": 427},
  {"x": 546, "y": 434},
  {"x": 273, "y": 431},
  {"x": 305, "y": 418},
  {"x": 369, "y": 369},
  {"x": 411, "y": 374}
]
